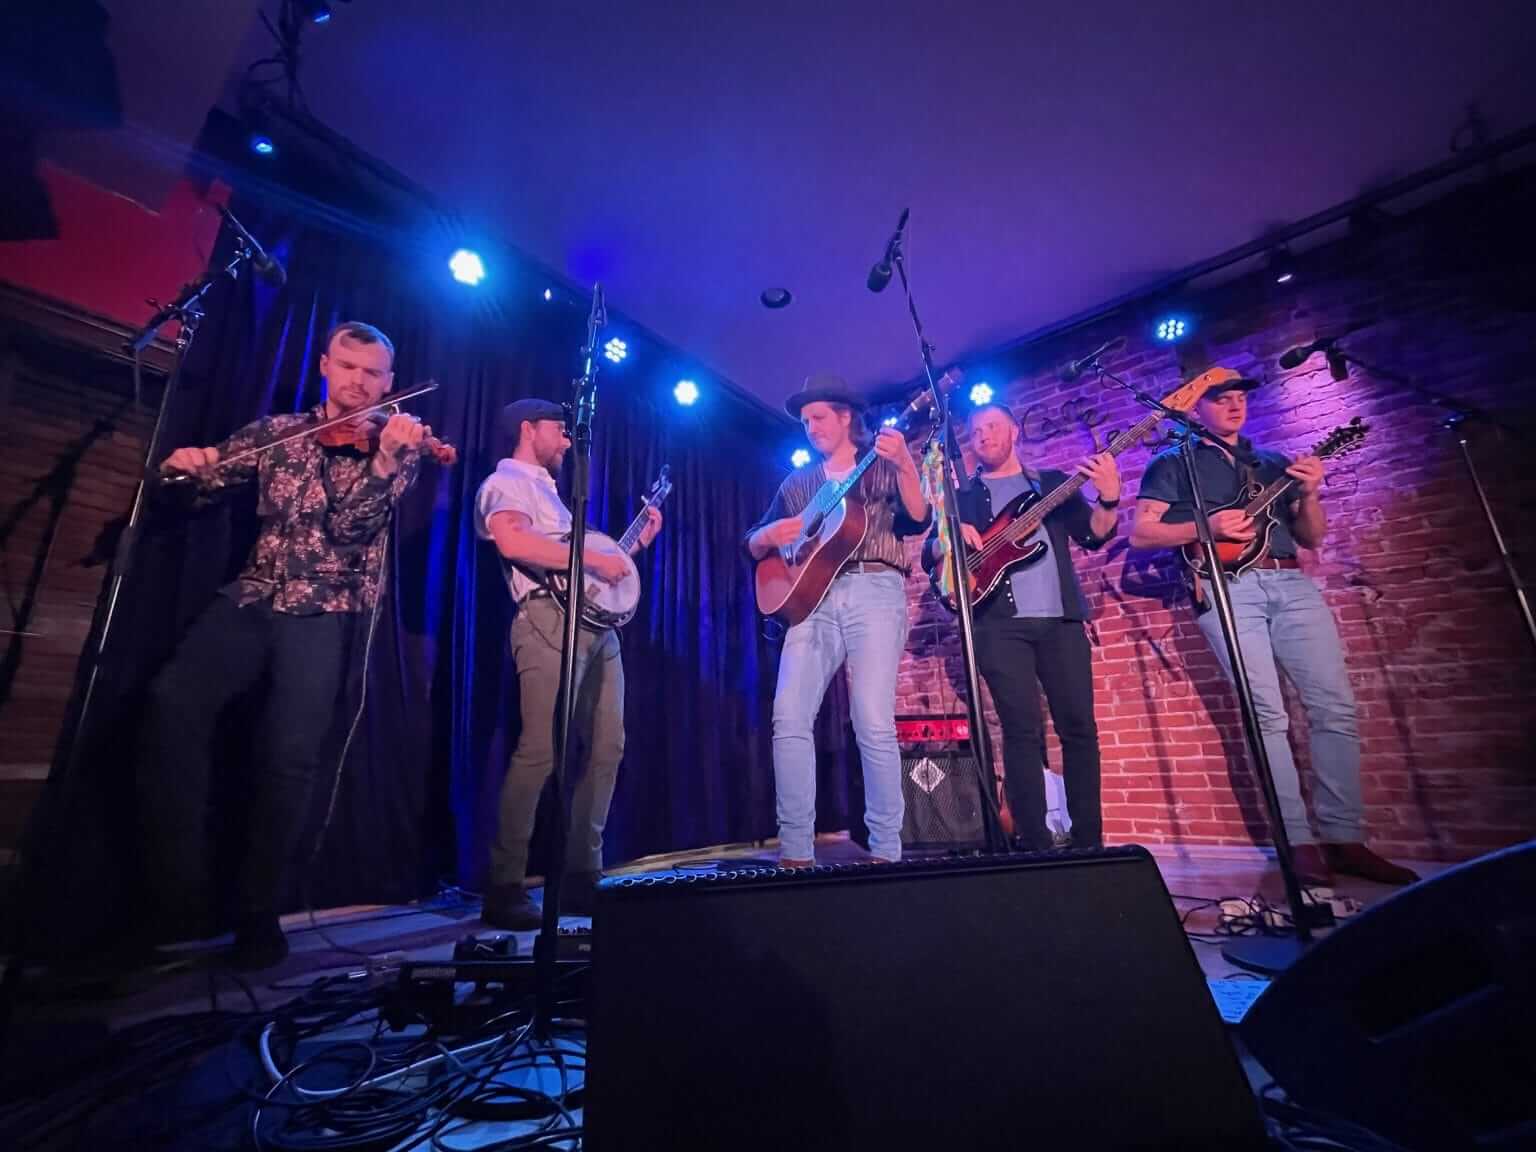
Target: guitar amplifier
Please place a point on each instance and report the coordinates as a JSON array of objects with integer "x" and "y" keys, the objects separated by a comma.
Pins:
[{"x": 938, "y": 784}]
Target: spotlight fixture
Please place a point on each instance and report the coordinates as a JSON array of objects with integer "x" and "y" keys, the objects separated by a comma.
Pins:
[
  {"x": 316, "y": 11},
  {"x": 616, "y": 350},
  {"x": 776, "y": 297},
  {"x": 1281, "y": 267},
  {"x": 800, "y": 457},
  {"x": 549, "y": 294},
  {"x": 981, "y": 393},
  {"x": 467, "y": 267},
  {"x": 261, "y": 144},
  {"x": 686, "y": 392},
  {"x": 1171, "y": 329}
]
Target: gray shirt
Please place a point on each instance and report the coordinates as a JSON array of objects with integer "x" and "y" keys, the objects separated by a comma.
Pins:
[
  {"x": 529, "y": 489},
  {"x": 1037, "y": 588}
]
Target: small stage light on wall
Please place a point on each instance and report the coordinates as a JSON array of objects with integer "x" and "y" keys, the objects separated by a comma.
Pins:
[
  {"x": 467, "y": 267},
  {"x": 800, "y": 457},
  {"x": 686, "y": 392},
  {"x": 316, "y": 11},
  {"x": 616, "y": 350},
  {"x": 261, "y": 144},
  {"x": 1172, "y": 329},
  {"x": 549, "y": 294},
  {"x": 981, "y": 393}
]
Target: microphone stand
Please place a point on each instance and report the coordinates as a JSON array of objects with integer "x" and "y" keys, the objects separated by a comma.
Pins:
[
  {"x": 1458, "y": 414},
  {"x": 188, "y": 309},
  {"x": 583, "y": 407},
  {"x": 1264, "y": 953},
  {"x": 981, "y": 741}
]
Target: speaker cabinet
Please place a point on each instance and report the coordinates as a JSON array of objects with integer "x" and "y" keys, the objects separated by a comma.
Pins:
[{"x": 996, "y": 1002}]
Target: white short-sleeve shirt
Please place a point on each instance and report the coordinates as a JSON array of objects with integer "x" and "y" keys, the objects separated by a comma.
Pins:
[{"x": 529, "y": 489}]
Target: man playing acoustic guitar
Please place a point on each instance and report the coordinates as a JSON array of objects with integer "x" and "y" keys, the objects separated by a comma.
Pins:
[
  {"x": 862, "y": 619},
  {"x": 1282, "y": 622},
  {"x": 1030, "y": 635},
  {"x": 519, "y": 510}
]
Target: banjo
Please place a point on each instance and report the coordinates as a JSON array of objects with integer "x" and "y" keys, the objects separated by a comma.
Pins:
[{"x": 605, "y": 605}]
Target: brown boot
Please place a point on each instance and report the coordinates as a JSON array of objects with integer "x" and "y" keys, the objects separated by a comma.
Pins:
[
  {"x": 1311, "y": 866},
  {"x": 1358, "y": 860}
]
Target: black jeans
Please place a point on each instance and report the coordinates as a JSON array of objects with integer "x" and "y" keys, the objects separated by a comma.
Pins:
[
  {"x": 228, "y": 650},
  {"x": 1013, "y": 654}
]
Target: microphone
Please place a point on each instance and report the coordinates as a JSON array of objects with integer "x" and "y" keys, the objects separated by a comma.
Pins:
[
  {"x": 1293, "y": 357},
  {"x": 880, "y": 274},
  {"x": 266, "y": 267},
  {"x": 1075, "y": 369}
]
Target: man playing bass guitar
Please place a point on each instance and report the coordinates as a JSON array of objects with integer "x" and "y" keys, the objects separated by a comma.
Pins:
[
  {"x": 861, "y": 619},
  {"x": 1031, "y": 635},
  {"x": 519, "y": 510},
  {"x": 1282, "y": 622}
]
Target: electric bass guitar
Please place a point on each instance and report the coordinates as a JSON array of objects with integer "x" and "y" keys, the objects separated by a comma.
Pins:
[
  {"x": 1258, "y": 502},
  {"x": 1006, "y": 546},
  {"x": 791, "y": 581},
  {"x": 605, "y": 605}
]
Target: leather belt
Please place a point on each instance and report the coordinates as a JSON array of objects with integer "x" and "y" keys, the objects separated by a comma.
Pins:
[
  {"x": 538, "y": 594},
  {"x": 868, "y": 566},
  {"x": 1283, "y": 563}
]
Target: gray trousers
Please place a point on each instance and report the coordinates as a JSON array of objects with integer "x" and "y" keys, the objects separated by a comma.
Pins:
[{"x": 598, "y": 728}]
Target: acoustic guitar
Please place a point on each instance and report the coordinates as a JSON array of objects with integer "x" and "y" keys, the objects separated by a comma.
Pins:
[{"x": 791, "y": 581}]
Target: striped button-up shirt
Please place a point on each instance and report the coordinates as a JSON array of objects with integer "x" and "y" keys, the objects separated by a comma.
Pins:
[{"x": 888, "y": 525}]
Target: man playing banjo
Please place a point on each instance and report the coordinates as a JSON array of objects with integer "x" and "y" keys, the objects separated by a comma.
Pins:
[{"x": 519, "y": 509}]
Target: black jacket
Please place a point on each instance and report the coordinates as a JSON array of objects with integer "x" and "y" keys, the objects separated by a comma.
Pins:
[{"x": 1070, "y": 520}]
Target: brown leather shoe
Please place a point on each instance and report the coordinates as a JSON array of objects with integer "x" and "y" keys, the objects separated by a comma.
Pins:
[
  {"x": 1358, "y": 860},
  {"x": 1311, "y": 866},
  {"x": 791, "y": 862}
]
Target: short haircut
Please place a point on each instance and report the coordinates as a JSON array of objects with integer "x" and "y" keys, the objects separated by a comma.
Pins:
[
  {"x": 362, "y": 333},
  {"x": 993, "y": 406}
]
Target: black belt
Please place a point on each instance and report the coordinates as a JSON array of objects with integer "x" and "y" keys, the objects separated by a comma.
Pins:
[
  {"x": 538, "y": 594},
  {"x": 1278, "y": 562}
]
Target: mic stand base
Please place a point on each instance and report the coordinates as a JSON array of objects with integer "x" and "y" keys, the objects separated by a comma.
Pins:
[{"x": 1266, "y": 955}]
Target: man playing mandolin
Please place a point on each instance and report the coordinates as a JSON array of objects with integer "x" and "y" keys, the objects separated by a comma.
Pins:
[
  {"x": 861, "y": 619},
  {"x": 1282, "y": 622},
  {"x": 1031, "y": 635},
  {"x": 286, "y": 623},
  {"x": 519, "y": 509}
]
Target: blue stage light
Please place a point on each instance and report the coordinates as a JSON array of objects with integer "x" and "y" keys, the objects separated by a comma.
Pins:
[
  {"x": 1171, "y": 329},
  {"x": 981, "y": 393},
  {"x": 686, "y": 392},
  {"x": 261, "y": 144},
  {"x": 466, "y": 266},
  {"x": 800, "y": 457},
  {"x": 549, "y": 294},
  {"x": 616, "y": 350}
]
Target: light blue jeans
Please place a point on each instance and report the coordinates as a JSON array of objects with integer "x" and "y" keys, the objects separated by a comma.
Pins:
[
  {"x": 1284, "y": 623},
  {"x": 862, "y": 621}
]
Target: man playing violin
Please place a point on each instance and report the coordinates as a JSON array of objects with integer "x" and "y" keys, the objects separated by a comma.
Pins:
[
  {"x": 285, "y": 623},
  {"x": 519, "y": 509}
]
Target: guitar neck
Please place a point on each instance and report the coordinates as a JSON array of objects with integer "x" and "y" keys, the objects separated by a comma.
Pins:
[
  {"x": 1058, "y": 496},
  {"x": 1272, "y": 492},
  {"x": 631, "y": 535}
]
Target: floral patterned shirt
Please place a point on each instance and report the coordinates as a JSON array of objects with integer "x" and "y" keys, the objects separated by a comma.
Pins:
[{"x": 323, "y": 512}]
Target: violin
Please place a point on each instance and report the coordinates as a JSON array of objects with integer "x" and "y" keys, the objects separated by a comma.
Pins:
[
  {"x": 361, "y": 434},
  {"x": 356, "y": 430}
]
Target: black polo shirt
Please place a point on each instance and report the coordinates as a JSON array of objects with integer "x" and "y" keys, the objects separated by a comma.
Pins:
[{"x": 1220, "y": 484}]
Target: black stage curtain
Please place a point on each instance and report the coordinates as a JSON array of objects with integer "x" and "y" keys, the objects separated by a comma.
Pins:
[{"x": 417, "y": 794}]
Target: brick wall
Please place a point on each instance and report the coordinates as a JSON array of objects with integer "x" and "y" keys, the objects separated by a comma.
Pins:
[{"x": 1439, "y": 659}]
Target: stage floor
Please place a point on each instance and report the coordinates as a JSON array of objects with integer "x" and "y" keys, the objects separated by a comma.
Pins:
[{"x": 367, "y": 943}]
